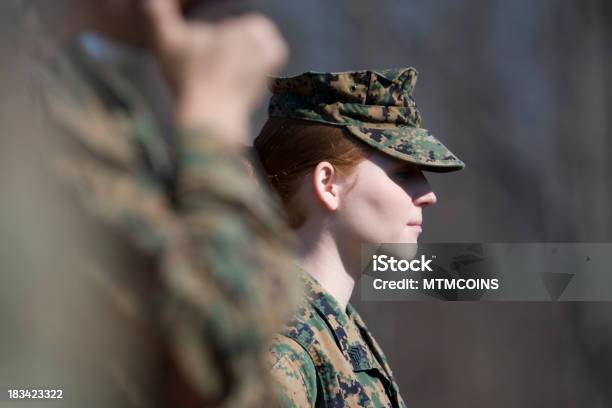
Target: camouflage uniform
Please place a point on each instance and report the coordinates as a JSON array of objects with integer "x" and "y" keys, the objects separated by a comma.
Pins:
[
  {"x": 326, "y": 356},
  {"x": 183, "y": 256}
]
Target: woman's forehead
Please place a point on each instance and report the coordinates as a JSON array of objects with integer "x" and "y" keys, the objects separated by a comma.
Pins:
[{"x": 387, "y": 162}]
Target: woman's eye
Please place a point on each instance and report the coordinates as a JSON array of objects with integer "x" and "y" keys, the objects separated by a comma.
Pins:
[{"x": 404, "y": 175}]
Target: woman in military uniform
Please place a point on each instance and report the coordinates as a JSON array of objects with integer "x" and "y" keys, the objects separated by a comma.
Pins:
[{"x": 346, "y": 152}]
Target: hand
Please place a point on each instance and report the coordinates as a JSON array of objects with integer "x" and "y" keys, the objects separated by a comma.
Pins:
[{"x": 217, "y": 71}]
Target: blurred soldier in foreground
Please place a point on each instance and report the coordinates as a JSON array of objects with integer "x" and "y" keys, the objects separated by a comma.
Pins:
[{"x": 168, "y": 274}]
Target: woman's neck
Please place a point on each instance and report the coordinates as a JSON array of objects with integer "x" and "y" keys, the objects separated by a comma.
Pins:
[{"x": 321, "y": 257}]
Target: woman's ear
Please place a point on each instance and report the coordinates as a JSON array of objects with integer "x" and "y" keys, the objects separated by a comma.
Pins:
[{"x": 325, "y": 185}]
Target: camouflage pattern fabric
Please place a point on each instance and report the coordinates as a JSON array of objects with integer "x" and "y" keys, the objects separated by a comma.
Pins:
[
  {"x": 186, "y": 269},
  {"x": 377, "y": 107},
  {"x": 326, "y": 357}
]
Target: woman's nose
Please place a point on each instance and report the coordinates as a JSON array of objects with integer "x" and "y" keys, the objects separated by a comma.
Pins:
[
  {"x": 426, "y": 199},
  {"x": 423, "y": 195}
]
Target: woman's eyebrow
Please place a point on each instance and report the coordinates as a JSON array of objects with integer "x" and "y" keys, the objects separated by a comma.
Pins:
[
  {"x": 396, "y": 164},
  {"x": 405, "y": 167}
]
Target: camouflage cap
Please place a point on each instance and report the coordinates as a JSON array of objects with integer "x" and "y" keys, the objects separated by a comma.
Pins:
[{"x": 375, "y": 106}]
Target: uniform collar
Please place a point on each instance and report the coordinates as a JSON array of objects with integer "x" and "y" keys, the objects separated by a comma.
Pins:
[{"x": 350, "y": 332}]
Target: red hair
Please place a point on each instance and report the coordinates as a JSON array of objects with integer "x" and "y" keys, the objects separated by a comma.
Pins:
[{"x": 289, "y": 149}]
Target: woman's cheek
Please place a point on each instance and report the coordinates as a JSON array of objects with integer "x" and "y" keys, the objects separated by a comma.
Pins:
[{"x": 383, "y": 220}]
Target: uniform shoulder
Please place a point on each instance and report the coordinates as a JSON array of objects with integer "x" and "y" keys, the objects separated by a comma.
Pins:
[
  {"x": 282, "y": 346},
  {"x": 293, "y": 371},
  {"x": 302, "y": 326}
]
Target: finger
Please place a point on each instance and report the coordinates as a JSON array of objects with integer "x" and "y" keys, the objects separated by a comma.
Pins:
[
  {"x": 272, "y": 48},
  {"x": 166, "y": 21}
]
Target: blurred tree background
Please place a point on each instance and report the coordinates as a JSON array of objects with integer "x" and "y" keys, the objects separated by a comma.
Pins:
[{"x": 521, "y": 91}]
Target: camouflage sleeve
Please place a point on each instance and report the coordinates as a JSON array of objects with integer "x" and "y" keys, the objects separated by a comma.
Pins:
[
  {"x": 183, "y": 233},
  {"x": 210, "y": 170},
  {"x": 230, "y": 289},
  {"x": 293, "y": 372}
]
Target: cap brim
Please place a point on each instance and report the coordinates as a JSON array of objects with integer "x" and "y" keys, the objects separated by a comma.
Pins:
[{"x": 410, "y": 144}]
